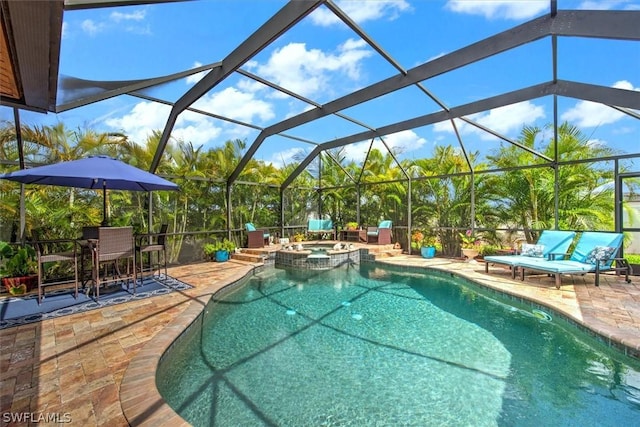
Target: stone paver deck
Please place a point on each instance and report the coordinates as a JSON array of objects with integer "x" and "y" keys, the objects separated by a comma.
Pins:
[{"x": 93, "y": 368}]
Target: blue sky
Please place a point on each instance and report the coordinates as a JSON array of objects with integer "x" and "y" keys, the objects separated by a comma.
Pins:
[{"x": 322, "y": 59}]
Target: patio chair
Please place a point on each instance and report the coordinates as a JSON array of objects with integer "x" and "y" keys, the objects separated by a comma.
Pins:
[
  {"x": 380, "y": 234},
  {"x": 594, "y": 253},
  {"x": 159, "y": 247},
  {"x": 46, "y": 255},
  {"x": 256, "y": 238},
  {"x": 114, "y": 245},
  {"x": 550, "y": 242}
]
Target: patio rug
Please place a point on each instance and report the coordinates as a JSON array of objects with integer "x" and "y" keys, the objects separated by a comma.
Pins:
[{"x": 16, "y": 311}]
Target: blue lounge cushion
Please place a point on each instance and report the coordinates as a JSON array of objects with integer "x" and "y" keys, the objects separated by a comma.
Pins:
[
  {"x": 559, "y": 266},
  {"x": 384, "y": 224},
  {"x": 250, "y": 227},
  {"x": 590, "y": 240},
  {"x": 320, "y": 225}
]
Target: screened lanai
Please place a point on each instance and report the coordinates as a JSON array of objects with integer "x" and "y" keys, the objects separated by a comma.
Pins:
[{"x": 408, "y": 111}]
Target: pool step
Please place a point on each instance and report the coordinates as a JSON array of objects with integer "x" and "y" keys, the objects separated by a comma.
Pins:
[
  {"x": 388, "y": 253},
  {"x": 248, "y": 256}
]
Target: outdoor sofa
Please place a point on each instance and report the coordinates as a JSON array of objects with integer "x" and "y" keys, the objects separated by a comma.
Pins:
[{"x": 321, "y": 228}]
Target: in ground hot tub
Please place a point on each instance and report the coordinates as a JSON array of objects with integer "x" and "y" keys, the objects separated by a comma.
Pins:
[{"x": 317, "y": 256}]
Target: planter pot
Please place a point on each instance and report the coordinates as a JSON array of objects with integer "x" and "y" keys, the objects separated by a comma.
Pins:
[
  {"x": 428, "y": 251},
  {"x": 20, "y": 285},
  {"x": 469, "y": 253},
  {"x": 222, "y": 256},
  {"x": 635, "y": 269}
]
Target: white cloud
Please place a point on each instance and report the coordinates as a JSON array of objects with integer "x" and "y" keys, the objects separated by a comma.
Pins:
[
  {"x": 361, "y": 11},
  {"x": 195, "y": 78},
  {"x": 504, "y": 120},
  {"x": 592, "y": 114},
  {"x": 143, "y": 118},
  {"x": 499, "y": 9},
  {"x": 285, "y": 157},
  {"x": 608, "y": 5},
  {"x": 146, "y": 117},
  {"x": 91, "y": 27},
  {"x": 201, "y": 132},
  {"x": 137, "y": 15},
  {"x": 118, "y": 21},
  {"x": 306, "y": 72},
  {"x": 65, "y": 30},
  {"x": 400, "y": 142},
  {"x": 235, "y": 104}
]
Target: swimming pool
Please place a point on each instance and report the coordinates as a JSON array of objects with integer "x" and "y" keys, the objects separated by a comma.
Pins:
[{"x": 360, "y": 345}]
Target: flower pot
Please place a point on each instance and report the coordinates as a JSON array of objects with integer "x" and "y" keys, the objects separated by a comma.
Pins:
[
  {"x": 20, "y": 285},
  {"x": 469, "y": 253},
  {"x": 428, "y": 251},
  {"x": 222, "y": 256}
]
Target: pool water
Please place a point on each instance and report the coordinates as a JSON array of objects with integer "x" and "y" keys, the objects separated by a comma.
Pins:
[{"x": 364, "y": 346}]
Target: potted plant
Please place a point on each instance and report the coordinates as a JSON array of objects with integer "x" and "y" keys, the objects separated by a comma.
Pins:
[
  {"x": 634, "y": 263},
  {"x": 219, "y": 250},
  {"x": 426, "y": 244},
  {"x": 18, "y": 268},
  {"x": 352, "y": 226},
  {"x": 470, "y": 244},
  {"x": 298, "y": 237}
]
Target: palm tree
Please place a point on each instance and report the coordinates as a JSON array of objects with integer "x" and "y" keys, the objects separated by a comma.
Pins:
[{"x": 525, "y": 198}]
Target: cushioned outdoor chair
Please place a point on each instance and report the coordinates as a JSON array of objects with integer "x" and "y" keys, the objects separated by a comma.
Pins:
[
  {"x": 380, "y": 234},
  {"x": 594, "y": 253},
  {"x": 256, "y": 238},
  {"x": 551, "y": 244}
]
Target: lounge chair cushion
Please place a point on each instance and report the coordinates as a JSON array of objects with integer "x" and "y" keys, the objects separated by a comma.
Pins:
[
  {"x": 591, "y": 240},
  {"x": 532, "y": 250},
  {"x": 600, "y": 254},
  {"x": 556, "y": 267},
  {"x": 250, "y": 227}
]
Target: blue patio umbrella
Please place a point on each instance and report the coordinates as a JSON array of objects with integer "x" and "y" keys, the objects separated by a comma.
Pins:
[{"x": 94, "y": 172}]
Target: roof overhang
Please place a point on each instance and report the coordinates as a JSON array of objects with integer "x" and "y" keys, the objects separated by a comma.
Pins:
[{"x": 29, "y": 53}]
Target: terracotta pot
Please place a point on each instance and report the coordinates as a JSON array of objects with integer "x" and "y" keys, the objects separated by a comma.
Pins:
[{"x": 20, "y": 285}]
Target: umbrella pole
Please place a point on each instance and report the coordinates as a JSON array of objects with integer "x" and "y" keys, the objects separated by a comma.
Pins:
[{"x": 105, "y": 219}]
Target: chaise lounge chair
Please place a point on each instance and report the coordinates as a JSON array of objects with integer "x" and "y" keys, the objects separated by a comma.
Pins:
[
  {"x": 594, "y": 253},
  {"x": 550, "y": 242}
]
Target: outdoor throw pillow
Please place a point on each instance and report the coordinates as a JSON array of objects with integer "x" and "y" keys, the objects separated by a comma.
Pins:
[
  {"x": 532, "y": 250},
  {"x": 600, "y": 254}
]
